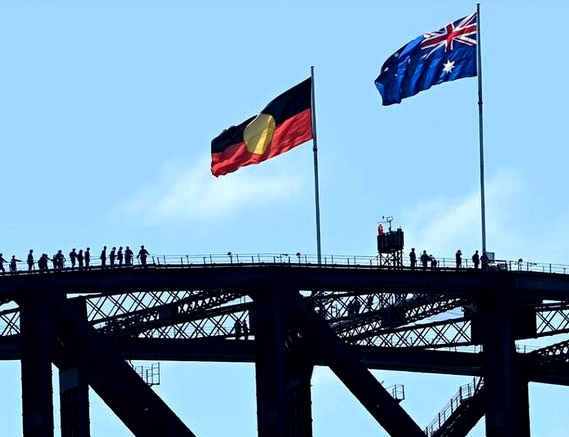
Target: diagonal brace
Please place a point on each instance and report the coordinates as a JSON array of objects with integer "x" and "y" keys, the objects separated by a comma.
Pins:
[
  {"x": 351, "y": 371},
  {"x": 136, "y": 404}
]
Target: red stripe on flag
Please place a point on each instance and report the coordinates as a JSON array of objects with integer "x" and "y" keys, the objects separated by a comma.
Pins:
[{"x": 289, "y": 134}]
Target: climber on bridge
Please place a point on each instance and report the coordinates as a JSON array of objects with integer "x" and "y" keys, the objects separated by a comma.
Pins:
[
  {"x": 128, "y": 253},
  {"x": 112, "y": 256},
  {"x": 120, "y": 256},
  {"x": 42, "y": 262},
  {"x": 458, "y": 259},
  {"x": 2, "y": 261},
  {"x": 476, "y": 259},
  {"x": 237, "y": 328},
  {"x": 30, "y": 260},
  {"x": 14, "y": 264},
  {"x": 413, "y": 258},
  {"x": 484, "y": 259},
  {"x": 433, "y": 262},
  {"x": 424, "y": 259},
  {"x": 73, "y": 258},
  {"x": 80, "y": 258},
  {"x": 103, "y": 256},
  {"x": 142, "y": 254},
  {"x": 59, "y": 260}
]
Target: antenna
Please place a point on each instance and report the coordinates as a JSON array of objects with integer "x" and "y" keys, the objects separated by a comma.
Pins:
[
  {"x": 388, "y": 219},
  {"x": 390, "y": 244}
]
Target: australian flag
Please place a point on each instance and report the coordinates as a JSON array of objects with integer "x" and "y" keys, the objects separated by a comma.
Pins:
[{"x": 432, "y": 58}]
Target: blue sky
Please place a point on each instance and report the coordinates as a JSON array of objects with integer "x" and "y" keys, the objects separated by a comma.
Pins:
[{"x": 107, "y": 110}]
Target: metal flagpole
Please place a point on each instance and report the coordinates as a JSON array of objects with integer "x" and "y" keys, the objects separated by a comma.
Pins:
[
  {"x": 480, "y": 127},
  {"x": 315, "y": 150}
]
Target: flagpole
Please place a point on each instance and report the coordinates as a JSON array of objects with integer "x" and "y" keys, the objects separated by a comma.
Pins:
[
  {"x": 480, "y": 126},
  {"x": 315, "y": 150}
]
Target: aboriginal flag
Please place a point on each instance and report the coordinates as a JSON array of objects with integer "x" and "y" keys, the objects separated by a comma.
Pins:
[{"x": 284, "y": 124}]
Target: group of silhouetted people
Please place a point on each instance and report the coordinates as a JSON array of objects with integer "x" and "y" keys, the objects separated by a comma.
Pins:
[
  {"x": 425, "y": 259},
  {"x": 13, "y": 263},
  {"x": 81, "y": 259}
]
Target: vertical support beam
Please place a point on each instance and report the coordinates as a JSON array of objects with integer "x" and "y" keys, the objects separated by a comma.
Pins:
[
  {"x": 74, "y": 401},
  {"x": 283, "y": 370},
  {"x": 269, "y": 327},
  {"x": 299, "y": 392},
  {"x": 507, "y": 406},
  {"x": 522, "y": 406},
  {"x": 37, "y": 402},
  {"x": 74, "y": 388}
]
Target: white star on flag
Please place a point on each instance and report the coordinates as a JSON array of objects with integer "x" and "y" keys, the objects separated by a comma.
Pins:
[{"x": 448, "y": 66}]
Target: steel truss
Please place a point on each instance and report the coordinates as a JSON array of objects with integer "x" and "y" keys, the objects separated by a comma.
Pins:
[{"x": 291, "y": 329}]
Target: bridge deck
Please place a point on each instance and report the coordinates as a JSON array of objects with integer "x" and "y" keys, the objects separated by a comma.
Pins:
[{"x": 244, "y": 277}]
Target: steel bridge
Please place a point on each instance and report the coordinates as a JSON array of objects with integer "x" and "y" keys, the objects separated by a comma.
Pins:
[{"x": 348, "y": 314}]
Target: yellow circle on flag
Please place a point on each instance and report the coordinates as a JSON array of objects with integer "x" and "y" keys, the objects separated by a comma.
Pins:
[{"x": 259, "y": 133}]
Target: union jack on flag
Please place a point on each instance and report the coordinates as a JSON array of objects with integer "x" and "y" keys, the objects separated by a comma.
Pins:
[
  {"x": 462, "y": 31},
  {"x": 430, "y": 59}
]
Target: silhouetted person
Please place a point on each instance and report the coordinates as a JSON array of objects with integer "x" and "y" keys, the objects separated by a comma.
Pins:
[
  {"x": 128, "y": 256},
  {"x": 424, "y": 259},
  {"x": 370, "y": 302},
  {"x": 476, "y": 259},
  {"x": 103, "y": 256},
  {"x": 458, "y": 259},
  {"x": 112, "y": 256},
  {"x": 245, "y": 330},
  {"x": 484, "y": 261},
  {"x": 413, "y": 258},
  {"x": 87, "y": 257},
  {"x": 433, "y": 262},
  {"x": 349, "y": 308},
  {"x": 60, "y": 259},
  {"x": 30, "y": 260},
  {"x": 42, "y": 262},
  {"x": 14, "y": 264},
  {"x": 2, "y": 261},
  {"x": 142, "y": 254},
  {"x": 54, "y": 261},
  {"x": 80, "y": 258},
  {"x": 357, "y": 306},
  {"x": 73, "y": 258},
  {"x": 120, "y": 256},
  {"x": 237, "y": 328}
]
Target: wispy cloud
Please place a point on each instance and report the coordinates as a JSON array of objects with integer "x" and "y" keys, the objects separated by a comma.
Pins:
[
  {"x": 193, "y": 193},
  {"x": 437, "y": 225}
]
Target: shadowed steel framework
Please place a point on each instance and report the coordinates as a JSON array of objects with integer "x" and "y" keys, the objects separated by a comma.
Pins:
[{"x": 351, "y": 317}]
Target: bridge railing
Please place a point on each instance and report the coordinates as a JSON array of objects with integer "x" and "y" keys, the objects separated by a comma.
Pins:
[
  {"x": 465, "y": 393},
  {"x": 298, "y": 258},
  {"x": 348, "y": 260}
]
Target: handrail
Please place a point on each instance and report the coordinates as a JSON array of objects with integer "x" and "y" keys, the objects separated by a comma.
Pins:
[
  {"x": 465, "y": 393},
  {"x": 302, "y": 259}
]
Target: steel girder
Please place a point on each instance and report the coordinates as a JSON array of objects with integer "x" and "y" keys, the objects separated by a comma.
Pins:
[
  {"x": 351, "y": 371},
  {"x": 174, "y": 315},
  {"x": 243, "y": 277},
  {"x": 136, "y": 404},
  {"x": 213, "y": 314}
]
